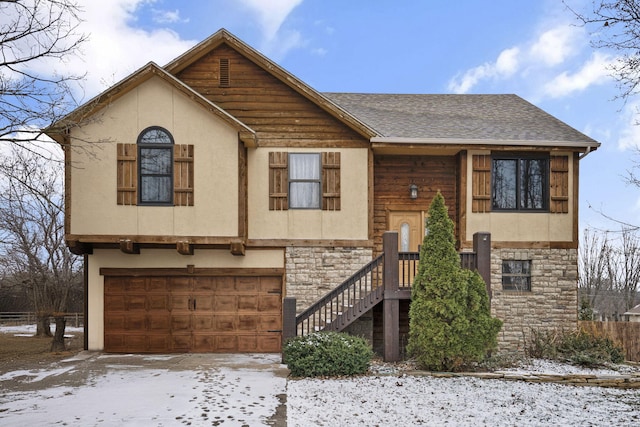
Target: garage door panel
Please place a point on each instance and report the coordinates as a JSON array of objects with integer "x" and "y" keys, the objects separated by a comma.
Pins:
[
  {"x": 158, "y": 343},
  {"x": 226, "y": 343},
  {"x": 271, "y": 302},
  {"x": 203, "y": 302},
  {"x": 248, "y": 303},
  {"x": 158, "y": 302},
  {"x": 159, "y": 322},
  {"x": 247, "y": 284},
  {"x": 223, "y": 284},
  {"x": 203, "y": 322},
  {"x": 136, "y": 302},
  {"x": 179, "y": 302},
  {"x": 225, "y": 303},
  {"x": 180, "y": 284},
  {"x": 204, "y": 284},
  {"x": 157, "y": 284},
  {"x": 115, "y": 303},
  {"x": 248, "y": 322},
  {"x": 269, "y": 323},
  {"x": 270, "y": 285},
  {"x": 181, "y": 342},
  {"x": 197, "y": 314},
  {"x": 224, "y": 323}
]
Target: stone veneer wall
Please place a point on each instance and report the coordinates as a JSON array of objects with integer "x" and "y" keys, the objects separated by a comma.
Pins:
[
  {"x": 314, "y": 271},
  {"x": 552, "y": 302}
]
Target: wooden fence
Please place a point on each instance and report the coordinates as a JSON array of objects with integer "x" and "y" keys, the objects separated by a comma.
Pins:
[
  {"x": 626, "y": 334},
  {"x": 26, "y": 318}
]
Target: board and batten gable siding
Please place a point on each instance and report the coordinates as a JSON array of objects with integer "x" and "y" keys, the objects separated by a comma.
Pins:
[
  {"x": 281, "y": 116},
  {"x": 202, "y": 192},
  {"x": 555, "y": 228}
]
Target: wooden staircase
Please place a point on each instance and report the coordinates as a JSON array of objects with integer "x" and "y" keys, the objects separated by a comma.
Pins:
[{"x": 387, "y": 279}]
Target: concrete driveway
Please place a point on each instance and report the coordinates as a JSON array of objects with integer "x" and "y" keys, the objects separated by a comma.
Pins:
[{"x": 93, "y": 389}]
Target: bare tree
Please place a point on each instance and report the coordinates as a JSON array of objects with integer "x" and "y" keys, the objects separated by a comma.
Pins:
[
  {"x": 32, "y": 246},
  {"x": 616, "y": 26},
  {"x": 35, "y": 37},
  {"x": 594, "y": 254},
  {"x": 624, "y": 269}
]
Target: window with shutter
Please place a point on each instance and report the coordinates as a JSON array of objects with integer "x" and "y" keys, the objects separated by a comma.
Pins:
[
  {"x": 155, "y": 171},
  {"x": 304, "y": 181}
]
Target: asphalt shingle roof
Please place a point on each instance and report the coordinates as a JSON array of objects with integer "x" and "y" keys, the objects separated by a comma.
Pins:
[{"x": 482, "y": 117}]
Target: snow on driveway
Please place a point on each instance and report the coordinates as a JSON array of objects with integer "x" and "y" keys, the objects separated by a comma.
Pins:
[{"x": 131, "y": 390}]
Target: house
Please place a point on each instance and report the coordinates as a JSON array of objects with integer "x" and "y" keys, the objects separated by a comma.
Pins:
[
  {"x": 633, "y": 314},
  {"x": 204, "y": 192}
]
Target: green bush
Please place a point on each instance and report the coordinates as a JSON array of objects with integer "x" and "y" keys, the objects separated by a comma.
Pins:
[
  {"x": 577, "y": 347},
  {"x": 450, "y": 324},
  {"x": 327, "y": 354}
]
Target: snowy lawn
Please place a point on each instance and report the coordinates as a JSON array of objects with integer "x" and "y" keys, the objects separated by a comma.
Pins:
[{"x": 94, "y": 389}]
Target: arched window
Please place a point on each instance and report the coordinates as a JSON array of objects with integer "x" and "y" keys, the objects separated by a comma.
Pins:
[{"x": 155, "y": 166}]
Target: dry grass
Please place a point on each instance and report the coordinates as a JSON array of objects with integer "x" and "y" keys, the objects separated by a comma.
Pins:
[{"x": 20, "y": 352}]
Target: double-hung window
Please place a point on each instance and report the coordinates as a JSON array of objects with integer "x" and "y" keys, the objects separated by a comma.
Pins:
[
  {"x": 304, "y": 181},
  {"x": 155, "y": 151},
  {"x": 520, "y": 183}
]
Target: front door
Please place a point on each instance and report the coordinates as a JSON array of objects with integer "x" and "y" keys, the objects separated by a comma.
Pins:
[{"x": 409, "y": 226}]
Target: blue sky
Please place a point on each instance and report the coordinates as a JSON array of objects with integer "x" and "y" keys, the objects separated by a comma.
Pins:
[{"x": 532, "y": 48}]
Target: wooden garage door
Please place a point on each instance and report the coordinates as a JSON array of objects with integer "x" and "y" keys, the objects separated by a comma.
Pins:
[{"x": 193, "y": 314}]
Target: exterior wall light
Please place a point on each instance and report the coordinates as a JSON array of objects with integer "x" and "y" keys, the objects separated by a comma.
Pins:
[{"x": 413, "y": 191}]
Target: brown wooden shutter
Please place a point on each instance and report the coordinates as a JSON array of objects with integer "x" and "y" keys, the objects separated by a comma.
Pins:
[
  {"x": 331, "y": 181},
  {"x": 127, "y": 193},
  {"x": 559, "y": 184},
  {"x": 278, "y": 181},
  {"x": 481, "y": 183},
  {"x": 183, "y": 175}
]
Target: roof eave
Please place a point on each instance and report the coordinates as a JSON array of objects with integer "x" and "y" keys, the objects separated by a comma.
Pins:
[{"x": 581, "y": 146}]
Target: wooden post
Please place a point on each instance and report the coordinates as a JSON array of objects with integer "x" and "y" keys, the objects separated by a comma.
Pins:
[
  {"x": 482, "y": 248},
  {"x": 288, "y": 319},
  {"x": 391, "y": 303}
]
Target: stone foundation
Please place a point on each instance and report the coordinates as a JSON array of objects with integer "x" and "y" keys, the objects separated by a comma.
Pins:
[
  {"x": 552, "y": 302},
  {"x": 314, "y": 271}
]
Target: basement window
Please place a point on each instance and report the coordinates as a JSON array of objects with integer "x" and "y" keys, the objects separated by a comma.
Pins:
[{"x": 516, "y": 275}]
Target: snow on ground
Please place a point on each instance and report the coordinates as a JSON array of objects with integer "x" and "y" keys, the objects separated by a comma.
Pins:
[{"x": 229, "y": 390}]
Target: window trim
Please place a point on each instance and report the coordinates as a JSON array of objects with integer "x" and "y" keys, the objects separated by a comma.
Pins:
[
  {"x": 497, "y": 156},
  {"x": 509, "y": 287},
  {"x": 165, "y": 146},
  {"x": 317, "y": 181}
]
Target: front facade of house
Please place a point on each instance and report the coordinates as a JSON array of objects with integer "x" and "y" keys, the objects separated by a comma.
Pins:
[{"x": 204, "y": 192}]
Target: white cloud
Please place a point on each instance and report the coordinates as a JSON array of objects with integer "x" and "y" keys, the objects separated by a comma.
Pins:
[
  {"x": 550, "y": 64},
  {"x": 504, "y": 66},
  {"x": 271, "y": 15},
  {"x": 630, "y": 133},
  {"x": 592, "y": 72},
  {"x": 554, "y": 46},
  {"x": 167, "y": 16},
  {"x": 116, "y": 47}
]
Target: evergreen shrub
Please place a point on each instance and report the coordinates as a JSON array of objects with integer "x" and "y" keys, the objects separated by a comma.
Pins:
[
  {"x": 327, "y": 354},
  {"x": 450, "y": 324}
]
